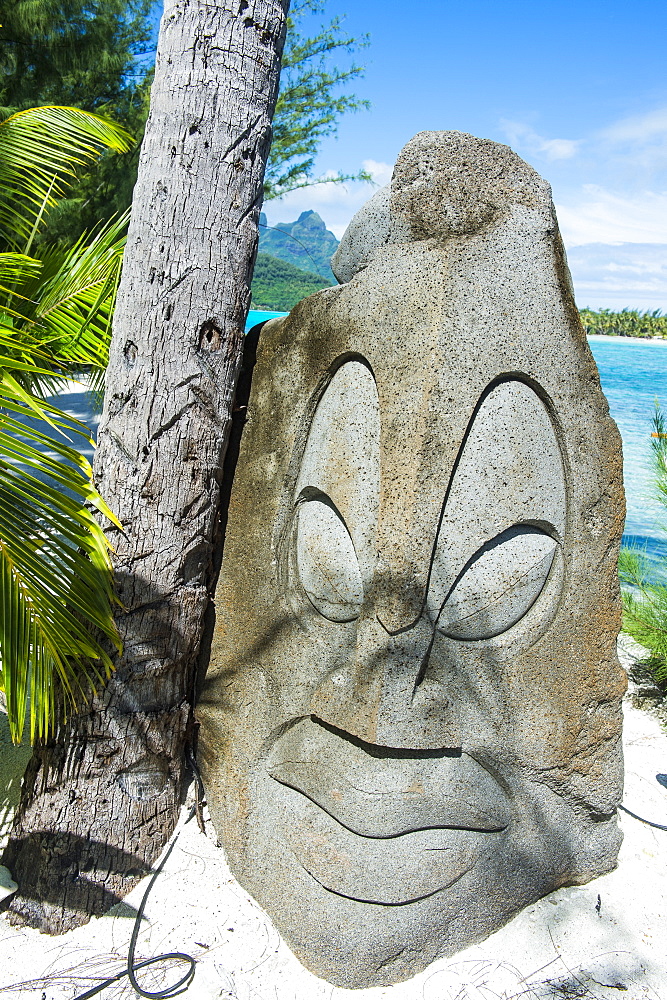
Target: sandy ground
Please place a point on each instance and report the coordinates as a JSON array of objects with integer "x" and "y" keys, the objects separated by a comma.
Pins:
[{"x": 605, "y": 939}]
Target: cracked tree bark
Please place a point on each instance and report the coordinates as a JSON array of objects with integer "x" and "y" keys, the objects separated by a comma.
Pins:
[{"x": 101, "y": 798}]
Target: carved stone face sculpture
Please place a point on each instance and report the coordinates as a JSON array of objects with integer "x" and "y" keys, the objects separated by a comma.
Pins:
[{"x": 411, "y": 723}]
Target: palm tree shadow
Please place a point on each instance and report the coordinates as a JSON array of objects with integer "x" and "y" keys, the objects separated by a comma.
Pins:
[{"x": 77, "y": 881}]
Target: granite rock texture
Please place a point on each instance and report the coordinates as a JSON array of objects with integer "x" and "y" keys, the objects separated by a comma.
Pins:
[
  {"x": 410, "y": 726},
  {"x": 368, "y": 230}
]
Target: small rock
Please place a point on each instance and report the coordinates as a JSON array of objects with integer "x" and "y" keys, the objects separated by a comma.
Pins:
[{"x": 7, "y": 883}]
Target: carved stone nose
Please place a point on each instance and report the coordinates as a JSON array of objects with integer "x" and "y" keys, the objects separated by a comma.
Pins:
[
  {"x": 398, "y": 599},
  {"x": 380, "y": 694}
]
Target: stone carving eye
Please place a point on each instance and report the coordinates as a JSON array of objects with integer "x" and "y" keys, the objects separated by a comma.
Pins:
[
  {"x": 499, "y": 585},
  {"x": 503, "y": 518},
  {"x": 337, "y": 495},
  {"x": 326, "y": 561}
]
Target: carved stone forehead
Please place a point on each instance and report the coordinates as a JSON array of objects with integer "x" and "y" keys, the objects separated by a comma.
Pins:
[
  {"x": 444, "y": 184},
  {"x": 451, "y": 184}
]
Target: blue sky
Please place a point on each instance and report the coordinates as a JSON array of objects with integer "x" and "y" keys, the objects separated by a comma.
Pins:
[{"x": 578, "y": 89}]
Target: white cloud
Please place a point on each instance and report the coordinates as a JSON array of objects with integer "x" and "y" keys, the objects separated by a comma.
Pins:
[
  {"x": 524, "y": 137},
  {"x": 602, "y": 216},
  {"x": 632, "y": 275},
  {"x": 637, "y": 143},
  {"x": 631, "y": 147},
  {"x": 335, "y": 203},
  {"x": 638, "y": 128},
  {"x": 380, "y": 172}
]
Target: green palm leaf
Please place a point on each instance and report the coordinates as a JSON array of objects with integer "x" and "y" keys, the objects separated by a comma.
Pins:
[
  {"x": 66, "y": 301},
  {"x": 40, "y": 150},
  {"x": 55, "y": 569},
  {"x": 56, "y": 626}
]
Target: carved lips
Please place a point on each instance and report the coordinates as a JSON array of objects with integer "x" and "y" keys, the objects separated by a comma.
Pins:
[{"x": 382, "y": 825}]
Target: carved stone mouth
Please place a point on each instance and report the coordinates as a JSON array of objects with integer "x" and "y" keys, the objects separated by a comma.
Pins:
[
  {"x": 383, "y": 826},
  {"x": 388, "y": 794}
]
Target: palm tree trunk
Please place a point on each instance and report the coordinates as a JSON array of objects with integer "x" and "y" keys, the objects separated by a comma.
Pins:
[{"x": 101, "y": 798}]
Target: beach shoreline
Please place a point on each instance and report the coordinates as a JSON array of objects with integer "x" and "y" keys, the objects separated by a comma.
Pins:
[{"x": 626, "y": 340}]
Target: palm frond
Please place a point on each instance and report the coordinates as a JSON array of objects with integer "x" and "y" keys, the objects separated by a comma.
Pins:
[
  {"x": 55, "y": 568},
  {"x": 56, "y": 317},
  {"x": 16, "y": 267},
  {"x": 68, "y": 304},
  {"x": 57, "y": 629},
  {"x": 40, "y": 151}
]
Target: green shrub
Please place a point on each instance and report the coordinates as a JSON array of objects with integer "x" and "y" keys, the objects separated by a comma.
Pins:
[{"x": 644, "y": 599}]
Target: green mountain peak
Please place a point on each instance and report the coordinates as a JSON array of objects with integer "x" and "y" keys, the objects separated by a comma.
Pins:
[{"x": 306, "y": 243}]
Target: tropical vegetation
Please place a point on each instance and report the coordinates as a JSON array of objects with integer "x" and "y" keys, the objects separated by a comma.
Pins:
[
  {"x": 99, "y": 57},
  {"x": 306, "y": 243},
  {"x": 56, "y": 625},
  {"x": 645, "y": 598},
  {"x": 310, "y": 104},
  {"x": 278, "y": 285},
  {"x": 94, "y": 56},
  {"x": 626, "y": 323},
  {"x": 74, "y": 52}
]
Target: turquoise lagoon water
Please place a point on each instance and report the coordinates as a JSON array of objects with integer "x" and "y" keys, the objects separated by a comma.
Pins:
[
  {"x": 255, "y": 317},
  {"x": 633, "y": 374}
]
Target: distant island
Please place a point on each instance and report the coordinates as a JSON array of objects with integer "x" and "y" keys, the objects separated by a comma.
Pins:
[
  {"x": 294, "y": 261},
  {"x": 627, "y": 323},
  {"x": 306, "y": 243}
]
